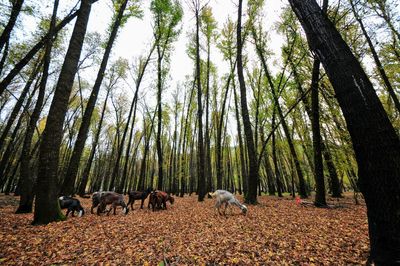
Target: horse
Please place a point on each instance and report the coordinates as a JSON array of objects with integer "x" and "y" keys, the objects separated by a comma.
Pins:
[
  {"x": 158, "y": 199},
  {"x": 138, "y": 195},
  {"x": 114, "y": 199},
  {"x": 227, "y": 198},
  {"x": 96, "y": 199},
  {"x": 72, "y": 205}
]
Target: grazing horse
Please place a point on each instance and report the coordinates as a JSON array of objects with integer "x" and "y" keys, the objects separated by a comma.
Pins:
[
  {"x": 158, "y": 199},
  {"x": 72, "y": 205},
  {"x": 114, "y": 199},
  {"x": 138, "y": 195},
  {"x": 227, "y": 198},
  {"x": 96, "y": 199}
]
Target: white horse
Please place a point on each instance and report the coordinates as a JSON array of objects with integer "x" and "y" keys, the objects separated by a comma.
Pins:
[{"x": 223, "y": 196}]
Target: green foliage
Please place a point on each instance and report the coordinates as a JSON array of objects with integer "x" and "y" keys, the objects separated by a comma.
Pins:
[
  {"x": 167, "y": 16},
  {"x": 132, "y": 10},
  {"x": 227, "y": 43}
]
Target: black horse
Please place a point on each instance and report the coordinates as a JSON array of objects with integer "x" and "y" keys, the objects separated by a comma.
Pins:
[
  {"x": 72, "y": 205},
  {"x": 138, "y": 195}
]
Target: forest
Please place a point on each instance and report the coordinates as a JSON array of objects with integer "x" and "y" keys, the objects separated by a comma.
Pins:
[{"x": 292, "y": 106}]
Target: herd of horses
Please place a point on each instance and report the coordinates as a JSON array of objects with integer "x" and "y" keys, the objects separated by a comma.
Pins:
[
  {"x": 100, "y": 200},
  {"x": 157, "y": 200}
]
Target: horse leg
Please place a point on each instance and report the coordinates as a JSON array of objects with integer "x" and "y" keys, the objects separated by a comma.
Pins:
[
  {"x": 130, "y": 202},
  {"x": 141, "y": 205}
]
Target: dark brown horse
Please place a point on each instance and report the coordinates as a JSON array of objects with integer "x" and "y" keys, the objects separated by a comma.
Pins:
[
  {"x": 114, "y": 199},
  {"x": 138, "y": 195},
  {"x": 158, "y": 200}
]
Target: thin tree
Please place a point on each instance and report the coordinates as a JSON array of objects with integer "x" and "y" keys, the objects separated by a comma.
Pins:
[{"x": 251, "y": 195}]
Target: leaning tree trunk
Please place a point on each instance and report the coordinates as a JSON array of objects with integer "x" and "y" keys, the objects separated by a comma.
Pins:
[
  {"x": 251, "y": 195},
  {"x": 69, "y": 181},
  {"x": 378, "y": 63},
  {"x": 47, "y": 208},
  {"x": 376, "y": 145},
  {"x": 26, "y": 177},
  {"x": 5, "y": 35}
]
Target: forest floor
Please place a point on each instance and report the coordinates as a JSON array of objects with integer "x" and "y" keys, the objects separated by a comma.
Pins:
[{"x": 277, "y": 231}]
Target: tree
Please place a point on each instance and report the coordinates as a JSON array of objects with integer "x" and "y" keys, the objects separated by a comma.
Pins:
[
  {"x": 47, "y": 208},
  {"x": 251, "y": 195},
  {"x": 167, "y": 16},
  {"x": 27, "y": 182},
  {"x": 376, "y": 145}
]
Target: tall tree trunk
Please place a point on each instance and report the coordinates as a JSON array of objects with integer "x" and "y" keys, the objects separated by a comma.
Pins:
[
  {"x": 376, "y": 145},
  {"x": 69, "y": 181},
  {"x": 26, "y": 176},
  {"x": 201, "y": 185},
  {"x": 47, "y": 208},
  {"x": 251, "y": 195}
]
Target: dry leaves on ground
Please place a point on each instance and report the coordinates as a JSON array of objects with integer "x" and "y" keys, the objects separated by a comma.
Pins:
[{"x": 275, "y": 232}]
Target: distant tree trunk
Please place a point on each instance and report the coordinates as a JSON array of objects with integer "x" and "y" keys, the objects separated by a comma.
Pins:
[
  {"x": 244, "y": 173},
  {"x": 47, "y": 208},
  {"x": 26, "y": 176},
  {"x": 20, "y": 101},
  {"x": 208, "y": 172},
  {"x": 201, "y": 185},
  {"x": 260, "y": 52},
  {"x": 275, "y": 159},
  {"x": 86, "y": 171},
  {"x": 5, "y": 35},
  {"x": 251, "y": 195},
  {"x": 376, "y": 145},
  {"x": 28, "y": 57},
  {"x": 320, "y": 198},
  {"x": 336, "y": 191},
  {"x": 218, "y": 140},
  {"x": 334, "y": 179},
  {"x": 378, "y": 63}
]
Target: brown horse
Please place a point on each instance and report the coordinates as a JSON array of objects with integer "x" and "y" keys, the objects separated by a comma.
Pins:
[
  {"x": 114, "y": 199},
  {"x": 158, "y": 199},
  {"x": 138, "y": 195}
]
